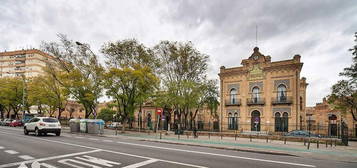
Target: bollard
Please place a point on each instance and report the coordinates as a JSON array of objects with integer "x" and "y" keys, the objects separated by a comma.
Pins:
[
  {"x": 318, "y": 143},
  {"x": 326, "y": 143},
  {"x": 221, "y": 136},
  {"x": 308, "y": 144},
  {"x": 187, "y": 135},
  {"x": 284, "y": 140},
  {"x": 335, "y": 142},
  {"x": 304, "y": 141},
  {"x": 267, "y": 139},
  {"x": 250, "y": 137},
  {"x": 178, "y": 136},
  {"x": 160, "y": 135},
  {"x": 235, "y": 137},
  {"x": 209, "y": 135}
]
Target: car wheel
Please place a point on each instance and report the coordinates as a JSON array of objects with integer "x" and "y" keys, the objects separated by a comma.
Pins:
[
  {"x": 37, "y": 133},
  {"x": 58, "y": 133},
  {"x": 25, "y": 131}
]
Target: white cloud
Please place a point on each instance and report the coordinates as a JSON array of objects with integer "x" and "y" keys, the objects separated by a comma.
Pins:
[{"x": 321, "y": 31}]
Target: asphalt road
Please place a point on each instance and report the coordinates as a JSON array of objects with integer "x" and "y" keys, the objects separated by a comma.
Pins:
[{"x": 70, "y": 150}]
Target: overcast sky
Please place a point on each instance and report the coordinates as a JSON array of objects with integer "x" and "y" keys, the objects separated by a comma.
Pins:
[{"x": 321, "y": 31}]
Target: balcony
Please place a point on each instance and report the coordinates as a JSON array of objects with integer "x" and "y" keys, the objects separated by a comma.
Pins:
[
  {"x": 233, "y": 102},
  {"x": 255, "y": 101},
  {"x": 282, "y": 100}
]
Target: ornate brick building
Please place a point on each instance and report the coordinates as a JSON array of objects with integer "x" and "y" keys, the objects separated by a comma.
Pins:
[{"x": 262, "y": 95}]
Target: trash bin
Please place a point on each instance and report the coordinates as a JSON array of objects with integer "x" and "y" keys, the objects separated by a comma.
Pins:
[
  {"x": 83, "y": 126},
  {"x": 95, "y": 126},
  {"x": 74, "y": 125}
]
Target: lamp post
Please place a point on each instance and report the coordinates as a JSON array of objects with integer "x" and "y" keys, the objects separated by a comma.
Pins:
[{"x": 86, "y": 46}]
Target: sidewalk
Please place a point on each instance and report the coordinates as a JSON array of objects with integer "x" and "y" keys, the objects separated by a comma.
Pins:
[{"x": 276, "y": 147}]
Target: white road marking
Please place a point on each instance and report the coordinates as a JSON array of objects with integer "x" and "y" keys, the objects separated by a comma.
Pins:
[
  {"x": 79, "y": 137},
  {"x": 216, "y": 154},
  {"x": 95, "y": 160},
  {"x": 141, "y": 163},
  {"x": 12, "y": 152},
  {"x": 94, "y": 139},
  {"x": 157, "y": 147},
  {"x": 67, "y": 162},
  {"x": 49, "y": 158},
  {"x": 1, "y": 147},
  {"x": 26, "y": 157},
  {"x": 107, "y": 141}
]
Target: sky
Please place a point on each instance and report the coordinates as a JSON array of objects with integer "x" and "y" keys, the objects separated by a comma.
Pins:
[{"x": 321, "y": 31}]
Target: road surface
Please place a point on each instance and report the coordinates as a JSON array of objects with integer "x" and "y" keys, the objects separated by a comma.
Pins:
[{"x": 71, "y": 150}]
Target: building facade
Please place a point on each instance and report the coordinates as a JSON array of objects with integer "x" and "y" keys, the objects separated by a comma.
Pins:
[
  {"x": 324, "y": 120},
  {"x": 263, "y": 96},
  {"x": 23, "y": 62}
]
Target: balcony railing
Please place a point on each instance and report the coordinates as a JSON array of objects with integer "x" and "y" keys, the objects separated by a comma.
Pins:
[
  {"x": 233, "y": 102},
  {"x": 255, "y": 101},
  {"x": 282, "y": 100}
]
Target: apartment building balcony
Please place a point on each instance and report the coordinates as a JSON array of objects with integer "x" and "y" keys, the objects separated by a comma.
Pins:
[
  {"x": 233, "y": 102},
  {"x": 255, "y": 101},
  {"x": 282, "y": 100}
]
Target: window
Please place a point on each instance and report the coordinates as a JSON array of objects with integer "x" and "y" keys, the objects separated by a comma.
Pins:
[
  {"x": 233, "y": 96},
  {"x": 233, "y": 121},
  {"x": 255, "y": 95},
  {"x": 281, "y": 123},
  {"x": 281, "y": 93}
]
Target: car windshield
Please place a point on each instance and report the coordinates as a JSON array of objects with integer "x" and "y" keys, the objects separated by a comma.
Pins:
[{"x": 50, "y": 120}]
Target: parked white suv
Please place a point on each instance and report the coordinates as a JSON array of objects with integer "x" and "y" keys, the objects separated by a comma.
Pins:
[{"x": 43, "y": 125}]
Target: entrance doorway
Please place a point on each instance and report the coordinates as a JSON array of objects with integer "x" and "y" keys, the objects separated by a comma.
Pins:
[
  {"x": 255, "y": 121},
  {"x": 332, "y": 125}
]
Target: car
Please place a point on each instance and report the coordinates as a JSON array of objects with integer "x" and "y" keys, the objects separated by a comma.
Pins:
[
  {"x": 114, "y": 125},
  {"x": 43, "y": 125},
  {"x": 2, "y": 122},
  {"x": 301, "y": 133},
  {"x": 16, "y": 123},
  {"x": 7, "y": 122}
]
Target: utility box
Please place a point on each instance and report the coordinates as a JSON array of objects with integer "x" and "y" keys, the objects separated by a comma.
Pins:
[
  {"x": 74, "y": 125},
  {"x": 83, "y": 126},
  {"x": 95, "y": 126}
]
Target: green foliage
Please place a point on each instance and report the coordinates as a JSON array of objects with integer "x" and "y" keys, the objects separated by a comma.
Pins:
[
  {"x": 11, "y": 94},
  {"x": 344, "y": 92},
  {"x": 106, "y": 114},
  {"x": 78, "y": 70}
]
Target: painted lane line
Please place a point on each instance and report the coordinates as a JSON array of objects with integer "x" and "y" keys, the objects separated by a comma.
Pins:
[
  {"x": 94, "y": 139},
  {"x": 107, "y": 141},
  {"x": 12, "y": 152},
  {"x": 79, "y": 137},
  {"x": 48, "y": 158},
  {"x": 181, "y": 150},
  {"x": 26, "y": 157},
  {"x": 221, "y": 155},
  {"x": 140, "y": 164},
  {"x": 1, "y": 147}
]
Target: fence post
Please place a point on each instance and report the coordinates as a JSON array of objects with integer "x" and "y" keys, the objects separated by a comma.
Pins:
[
  {"x": 304, "y": 141},
  {"x": 267, "y": 138},
  {"x": 250, "y": 137},
  {"x": 318, "y": 143},
  {"x": 160, "y": 135},
  {"x": 209, "y": 135}
]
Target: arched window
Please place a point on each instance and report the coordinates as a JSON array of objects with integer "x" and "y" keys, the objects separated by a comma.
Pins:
[
  {"x": 281, "y": 93},
  {"x": 255, "y": 95},
  {"x": 255, "y": 121},
  {"x": 332, "y": 125},
  {"x": 230, "y": 121},
  {"x": 278, "y": 122},
  {"x": 233, "y": 96},
  {"x": 285, "y": 122},
  {"x": 235, "y": 121}
]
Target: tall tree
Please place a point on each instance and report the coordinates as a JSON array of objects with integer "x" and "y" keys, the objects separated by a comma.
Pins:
[
  {"x": 11, "y": 95},
  {"x": 130, "y": 79},
  {"x": 184, "y": 71},
  {"x": 344, "y": 92},
  {"x": 78, "y": 70}
]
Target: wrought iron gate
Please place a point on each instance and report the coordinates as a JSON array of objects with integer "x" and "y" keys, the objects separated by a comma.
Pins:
[{"x": 344, "y": 133}]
